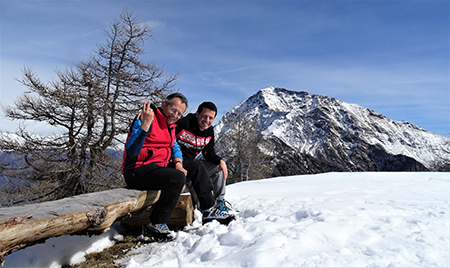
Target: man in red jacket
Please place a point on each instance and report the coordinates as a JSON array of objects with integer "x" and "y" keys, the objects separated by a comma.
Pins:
[{"x": 149, "y": 148}]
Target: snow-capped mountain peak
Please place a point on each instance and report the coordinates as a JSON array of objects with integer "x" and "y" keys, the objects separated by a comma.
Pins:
[{"x": 336, "y": 136}]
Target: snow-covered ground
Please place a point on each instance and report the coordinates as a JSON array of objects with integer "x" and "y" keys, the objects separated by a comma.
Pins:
[{"x": 324, "y": 220}]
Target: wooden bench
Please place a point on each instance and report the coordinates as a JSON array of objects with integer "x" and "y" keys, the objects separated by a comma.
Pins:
[{"x": 21, "y": 226}]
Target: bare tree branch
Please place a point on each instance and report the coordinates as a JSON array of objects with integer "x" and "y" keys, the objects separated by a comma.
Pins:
[
  {"x": 241, "y": 144},
  {"x": 92, "y": 103}
]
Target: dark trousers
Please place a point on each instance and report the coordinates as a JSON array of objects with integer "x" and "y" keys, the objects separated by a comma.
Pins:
[
  {"x": 199, "y": 180},
  {"x": 153, "y": 177},
  {"x": 217, "y": 179}
]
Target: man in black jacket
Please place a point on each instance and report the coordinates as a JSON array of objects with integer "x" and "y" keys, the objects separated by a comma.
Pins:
[{"x": 195, "y": 135}]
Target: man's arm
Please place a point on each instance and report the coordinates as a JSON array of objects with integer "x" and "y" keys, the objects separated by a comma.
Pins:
[
  {"x": 178, "y": 157},
  {"x": 176, "y": 151},
  {"x": 136, "y": 139},
  {"x": 210, "y": 155},
  {"x": 223, "y": 168},
  {"x": 140, "y": 130},
  {"x": 209, "y": 152}
]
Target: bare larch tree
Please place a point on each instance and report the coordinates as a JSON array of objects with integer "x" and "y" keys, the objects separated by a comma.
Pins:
[
  {"x": 91, "y": 104},
  {"x": 240, "y": 144}
]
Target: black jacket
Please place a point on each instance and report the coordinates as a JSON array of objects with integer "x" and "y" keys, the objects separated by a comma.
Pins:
[{"x": 193, "y": 141}]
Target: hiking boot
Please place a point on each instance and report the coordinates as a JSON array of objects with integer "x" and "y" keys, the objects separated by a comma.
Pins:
[
  {"x": 215, "y": 213},
  {"x": 224, "y": 205},
  {"x": 159, "y": 232}
]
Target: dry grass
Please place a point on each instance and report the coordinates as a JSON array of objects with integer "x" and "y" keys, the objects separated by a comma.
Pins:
[{"x": 106, "y": 258}]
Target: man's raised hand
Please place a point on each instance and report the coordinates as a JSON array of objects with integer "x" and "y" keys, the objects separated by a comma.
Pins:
[{"x": 146, "y": 116}]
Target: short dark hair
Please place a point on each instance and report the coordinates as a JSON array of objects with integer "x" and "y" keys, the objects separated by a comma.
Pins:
[
  {"x": 169, "y": 99},
  {"x": 208, "y": 105}
]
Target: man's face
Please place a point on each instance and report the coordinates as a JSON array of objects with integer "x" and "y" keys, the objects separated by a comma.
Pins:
[
  {"x": 205, "y": 118},
  {"x": 174, "y": 111}
]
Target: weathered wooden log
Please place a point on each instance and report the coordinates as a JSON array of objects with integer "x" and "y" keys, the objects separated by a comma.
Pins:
[
  {"x": 21, "y": 226},
  {"x": 182, "y": 215}
]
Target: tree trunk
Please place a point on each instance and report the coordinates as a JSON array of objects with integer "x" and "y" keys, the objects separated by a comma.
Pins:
[{"x": 22, "y": 226}]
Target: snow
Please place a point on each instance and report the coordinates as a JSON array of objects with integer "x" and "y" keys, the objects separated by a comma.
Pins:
[
  {"x": 400, "y": 137},
  {"x": 62, "y": 250},
  {"x": 325, "y": 220}
]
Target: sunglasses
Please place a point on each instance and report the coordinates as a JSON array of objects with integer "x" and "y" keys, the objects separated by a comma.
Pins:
[{"x": 174, "y": 111}]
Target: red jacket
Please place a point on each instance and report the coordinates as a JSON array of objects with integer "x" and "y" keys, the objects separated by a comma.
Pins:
[{"x": 157, "y": 147}]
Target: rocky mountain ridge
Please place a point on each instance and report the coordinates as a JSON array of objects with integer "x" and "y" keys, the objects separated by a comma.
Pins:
[{"x": 306, "y": 134}]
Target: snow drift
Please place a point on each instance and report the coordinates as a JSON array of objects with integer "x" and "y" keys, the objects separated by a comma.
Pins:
[{"x": 365, "y": 219}]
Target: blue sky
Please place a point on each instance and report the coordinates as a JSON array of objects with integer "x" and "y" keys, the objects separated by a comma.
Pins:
[{"x": 389, "y": 56}]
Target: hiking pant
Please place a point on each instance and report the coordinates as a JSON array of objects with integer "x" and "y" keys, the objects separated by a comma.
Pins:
[
  {"x": 153, "y": 177},
  {"x": 215, "y": 180},
  {"x": 199, "y": 184}
]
